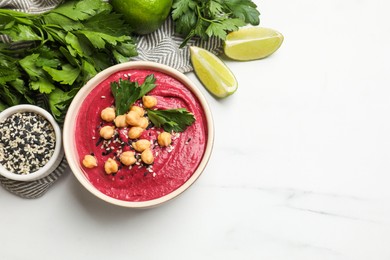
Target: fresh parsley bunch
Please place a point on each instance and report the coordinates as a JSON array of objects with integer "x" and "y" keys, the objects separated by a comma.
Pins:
[
  {"x": 207, "y": 18},
  {"x": 52, "y": 55}
]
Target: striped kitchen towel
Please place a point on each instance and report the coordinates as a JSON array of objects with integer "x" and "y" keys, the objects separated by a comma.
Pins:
[
  {"x": 34, "y": 189},
  {"x": 30, "y": 6},
  {"x": 161, "y": 46}
]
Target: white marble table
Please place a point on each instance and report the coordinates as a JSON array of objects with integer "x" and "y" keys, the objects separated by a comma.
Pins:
[{"x": 300, "y": 167}]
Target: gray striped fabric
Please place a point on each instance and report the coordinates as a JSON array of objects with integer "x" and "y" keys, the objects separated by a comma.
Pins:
[
  {"x": 161, "y": 46},
  {"x": 31, "y": 6},
  {"x": 33, "y": 189}
]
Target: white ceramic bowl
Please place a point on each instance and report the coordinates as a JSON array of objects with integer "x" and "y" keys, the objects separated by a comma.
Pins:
[
  {"x": 58, "y": 153},
  {"x": 70, "y": 126}
]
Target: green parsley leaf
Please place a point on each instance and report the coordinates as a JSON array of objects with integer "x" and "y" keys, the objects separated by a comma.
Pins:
[
  {"x": 183, "y": 7},
  {"x": 148, "y": 85},
  {"x": 244, "y": 10},
  {"x": 21, "y": 32},
  {"x": 220, "y": 29},
  {"x": 58, "y": 103},
  {"x": 3, "y": 106},
  {"x": 8, "y": 69},
  {"x": 176, "y": 120},
  {"x": 126, "y": 92},
  {"x": 28, "y": 63},
  {"x": 43, "y": 85},
  {"x": 9, "y": 95},
  {"x": 55, "y": 53},
  {"x": 212, "y": 18},
  {"x": 66, "y": 75},
  {"x": 73, "y": 42},
  {"x": 55, "y": 20},
  {"x": 81, "y": 10}
]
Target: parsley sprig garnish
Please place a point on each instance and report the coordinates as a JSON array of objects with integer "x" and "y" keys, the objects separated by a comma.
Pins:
[
  {"x": 127, "y": 92},
  {"x": 212, "y": 18},
  {"x": 176, "y": 120}
]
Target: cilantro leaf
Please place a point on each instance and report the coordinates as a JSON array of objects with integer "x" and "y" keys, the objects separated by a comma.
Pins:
[
  {"x": 126, "y": 92},
  {"x": 176, "y": 120}
]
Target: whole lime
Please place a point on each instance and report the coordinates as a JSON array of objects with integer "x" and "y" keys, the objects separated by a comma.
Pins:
[{"x": 144, "y": 16}]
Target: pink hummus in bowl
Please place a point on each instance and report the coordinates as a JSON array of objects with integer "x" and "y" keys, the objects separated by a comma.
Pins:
[{"x": 175, "y": 166}]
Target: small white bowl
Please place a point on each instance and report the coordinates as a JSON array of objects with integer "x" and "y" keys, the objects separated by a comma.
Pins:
[
  {"x": 58, "y": 153},
  {"x": 70, "y": 125}
]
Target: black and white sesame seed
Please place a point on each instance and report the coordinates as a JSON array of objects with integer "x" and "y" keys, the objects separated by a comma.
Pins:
[{"x": 27, "y": 142}]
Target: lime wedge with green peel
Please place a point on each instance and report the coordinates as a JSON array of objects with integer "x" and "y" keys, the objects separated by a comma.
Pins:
[
  {"x": 252, "y": 43},
  {"x": 213, "y": 73}
]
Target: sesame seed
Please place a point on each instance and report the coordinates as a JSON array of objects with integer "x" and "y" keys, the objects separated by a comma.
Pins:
[{"x": 27, "y": 142}]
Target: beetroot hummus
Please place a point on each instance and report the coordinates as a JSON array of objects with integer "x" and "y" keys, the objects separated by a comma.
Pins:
[{"x": 173, "y": 165}]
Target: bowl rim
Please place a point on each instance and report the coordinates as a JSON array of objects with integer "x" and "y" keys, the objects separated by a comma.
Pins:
[
  {"x": 70, "y": 122},
  {"x": 58, "y": 153}
]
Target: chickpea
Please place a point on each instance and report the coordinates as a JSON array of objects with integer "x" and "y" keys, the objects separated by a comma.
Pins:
[
  {"x": 107, "y": 132},
  {"x": 149, "y": 101},
  {"x": 120, "y": 121},
  {"x": 143, "y": 122},
  {"x": 164, "y": 139},
  {"x": 110, "y": 166},
  {"x": 147, "y": 156},
  {"x": 127, "y": 158},
  {"x": 139, "y": 110},
  {"x": 108, "y": 114},
  {"x": 135, "y": 132},
  {"x": 132, "y": 118},
  {"x": 89, "y": 161},
  {"x": 141, "y": 145}
]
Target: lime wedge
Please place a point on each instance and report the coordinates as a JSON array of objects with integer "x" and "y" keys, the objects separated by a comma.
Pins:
[
  {"x": 213, "y": 73},
  {"x": 252, "y": 43}
]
